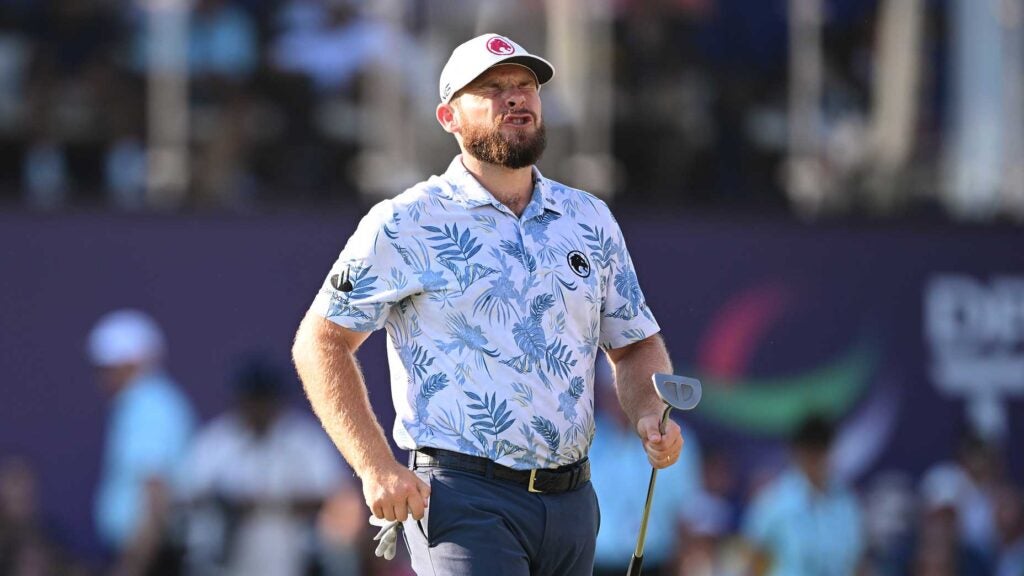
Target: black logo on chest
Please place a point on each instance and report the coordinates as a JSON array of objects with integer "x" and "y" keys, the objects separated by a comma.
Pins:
[{"x": 579, "y": 264}]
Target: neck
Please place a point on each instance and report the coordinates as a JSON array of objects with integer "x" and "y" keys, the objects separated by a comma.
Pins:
[{"x": 513, "y": 187}]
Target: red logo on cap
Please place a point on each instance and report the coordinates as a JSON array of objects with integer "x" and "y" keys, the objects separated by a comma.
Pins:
[{"x": 500, "y": 46}]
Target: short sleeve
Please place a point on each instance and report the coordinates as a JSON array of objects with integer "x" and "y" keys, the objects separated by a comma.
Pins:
[
  {"x": 369, "y": 276},
  {"x": 625, "y": 317}
]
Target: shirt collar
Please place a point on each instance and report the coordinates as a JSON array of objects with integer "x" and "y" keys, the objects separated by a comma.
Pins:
[{"x": 468, "y": 191}]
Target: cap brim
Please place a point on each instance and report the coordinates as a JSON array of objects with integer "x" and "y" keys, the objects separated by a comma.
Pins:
[{"x": 540, "y": 67}]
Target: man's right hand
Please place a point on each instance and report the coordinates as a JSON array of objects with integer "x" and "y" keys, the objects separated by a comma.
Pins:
[{"x": 392, "y": 492}]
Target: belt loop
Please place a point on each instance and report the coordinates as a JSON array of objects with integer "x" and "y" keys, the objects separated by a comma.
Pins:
[{"x": 489, "y": 472}]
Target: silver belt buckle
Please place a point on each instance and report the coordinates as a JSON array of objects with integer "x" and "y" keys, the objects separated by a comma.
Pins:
[{"x": 533, "y": 477}]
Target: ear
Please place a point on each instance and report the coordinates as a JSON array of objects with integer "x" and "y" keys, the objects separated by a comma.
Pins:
[{"x": 447, "y": 118}]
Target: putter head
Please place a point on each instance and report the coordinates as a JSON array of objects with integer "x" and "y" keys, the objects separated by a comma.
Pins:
[{"x": 679, "y": 392}]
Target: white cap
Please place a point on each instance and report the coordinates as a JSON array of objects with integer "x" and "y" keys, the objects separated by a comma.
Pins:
[
  {"x": 125, "y": 337},
  {"x": 476, "y": 56}
]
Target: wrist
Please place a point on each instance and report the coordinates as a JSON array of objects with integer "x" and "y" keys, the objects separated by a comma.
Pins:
[{"x": 379, "y": 467}]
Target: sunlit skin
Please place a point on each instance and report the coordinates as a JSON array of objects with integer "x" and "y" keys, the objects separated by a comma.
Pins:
[
  {"x": 507, "y": 96},
  {"x": 114, "y": 378}
]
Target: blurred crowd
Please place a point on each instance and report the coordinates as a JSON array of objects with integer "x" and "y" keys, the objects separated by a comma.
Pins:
[
  {"x": 271, "y": 87},
  {"x": 260, "y": 491},
  {"x": 278, "y": 93}
]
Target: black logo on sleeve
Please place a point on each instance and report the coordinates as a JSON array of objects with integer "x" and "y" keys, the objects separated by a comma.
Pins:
[
  {"x": 342, "y": 281},
  {"x": 579, "y": 264}
]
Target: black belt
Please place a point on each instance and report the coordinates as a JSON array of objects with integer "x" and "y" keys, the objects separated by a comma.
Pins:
[{"x": 538, "y": 480}]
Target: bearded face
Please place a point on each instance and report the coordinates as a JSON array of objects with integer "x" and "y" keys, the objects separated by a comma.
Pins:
[{"x": 497, "y": 143}]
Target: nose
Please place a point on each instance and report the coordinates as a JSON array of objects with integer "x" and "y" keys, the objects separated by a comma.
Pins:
[{"x": 516, "y": 99}]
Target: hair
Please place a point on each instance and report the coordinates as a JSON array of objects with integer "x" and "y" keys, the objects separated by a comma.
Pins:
[
  {"x": 815, "y": 432},
  {"x": 257, "y": 377}
]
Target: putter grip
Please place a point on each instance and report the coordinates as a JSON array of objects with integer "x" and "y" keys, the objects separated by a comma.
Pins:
[{"x": 636, "y": 565}]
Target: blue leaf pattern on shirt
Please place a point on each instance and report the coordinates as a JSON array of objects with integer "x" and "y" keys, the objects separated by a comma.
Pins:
[
  {"x": 529, "y": 337},
  {"x": 536, "y": 227},
  {"x": 453, "y": 248},
  {"x": 490, "y": 418},
  {"x": 481, "y": 308},
  {"x": 548, "y": 431},
  {"x": 603, "y": 247},
  {"x": 466, "y": 336},
  {"x": 567, "y": 399},
  {"x": 628, "y": 287},
  {"x": 419, "y": 262},
  {"x": 431, "y": 386},
  {"x": 516, "y": 251},
  {"x": 498, "y": 300},
  {"x": 362, "y": 285}
]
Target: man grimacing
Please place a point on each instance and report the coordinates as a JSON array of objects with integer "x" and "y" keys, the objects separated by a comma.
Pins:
[{"x": 496, "y": 287}]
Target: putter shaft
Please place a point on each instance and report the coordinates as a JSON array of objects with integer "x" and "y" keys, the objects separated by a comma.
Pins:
[{"x": 639, "y": 551}]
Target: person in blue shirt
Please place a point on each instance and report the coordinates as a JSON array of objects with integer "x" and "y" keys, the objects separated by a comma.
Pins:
[
  {"x": 620, "y": 475},
  {"x": 148, "y": 430},
  {"x": 805, "y": 523}
]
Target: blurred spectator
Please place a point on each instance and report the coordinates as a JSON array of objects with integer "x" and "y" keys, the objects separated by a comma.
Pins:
[
  {"x": 699, "y": 100},
  {"x": 665, "y": 130},
  {"x": 1010, "y": 526},
  {"x": 26, "y": 546},
  {"x": 971, "y": 481},
  {"x": 805, "y": 522},
  {"x": 223, "y": 55},
  {"x": 980, "y": 460},
  {"x": 333, "y": 65},
  {"x": 68, "y": 82},
  {"x": 148, "y": 430},
  {"x": 222, "y": 41},
  {"x": 255, "y": 480},
  {"x": 710, "y": 519},
  {"x": 620, "y": 473},
  {"x": 890, "y": 509},
  {"x": 332, "y": 42},
  {"x": 344, "y": 533},
  {"x": 45, "y": 174},
  {"x": 938, "y": 548},
  {"x": 15, "y": 58}
]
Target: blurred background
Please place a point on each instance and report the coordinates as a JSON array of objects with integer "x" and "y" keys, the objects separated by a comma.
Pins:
[{"x": 823, "y": 198}]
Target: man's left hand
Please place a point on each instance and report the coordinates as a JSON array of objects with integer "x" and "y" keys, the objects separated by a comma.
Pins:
[{"x": 662, "y": 448}]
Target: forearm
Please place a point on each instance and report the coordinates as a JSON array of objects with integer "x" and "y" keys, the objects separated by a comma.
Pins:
[
  {"x": 334, "y": 385},
  {"x": 141, "y": 549},
  {"x": 633, "y": 369}
]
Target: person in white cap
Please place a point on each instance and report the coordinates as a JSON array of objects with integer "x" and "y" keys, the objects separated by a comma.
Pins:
[
  {"x": 148, "y": 430},
  {"x": 497, "y": 287}
]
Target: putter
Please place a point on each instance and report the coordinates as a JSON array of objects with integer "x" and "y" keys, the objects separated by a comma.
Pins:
[{"x": 677, "y": 392}]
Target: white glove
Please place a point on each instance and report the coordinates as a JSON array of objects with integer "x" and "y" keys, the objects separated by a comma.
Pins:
[{"x": 387, "y": 537}]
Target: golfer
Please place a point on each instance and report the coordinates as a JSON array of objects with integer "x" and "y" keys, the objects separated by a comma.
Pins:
[{"x": 496, "y": 287}]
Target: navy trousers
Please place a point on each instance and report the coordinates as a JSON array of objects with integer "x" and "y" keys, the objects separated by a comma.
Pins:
[{"x": 477, "y": 526}]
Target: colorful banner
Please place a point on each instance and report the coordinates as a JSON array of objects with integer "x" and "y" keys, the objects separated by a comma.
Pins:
[{"x": 905, "y": 335}]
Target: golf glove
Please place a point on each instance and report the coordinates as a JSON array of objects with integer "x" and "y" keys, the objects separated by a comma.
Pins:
[{"x": 387, "y": 538}]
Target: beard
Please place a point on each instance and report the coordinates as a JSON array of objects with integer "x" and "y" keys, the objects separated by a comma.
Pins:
[{"x": 519, "y": 150}]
